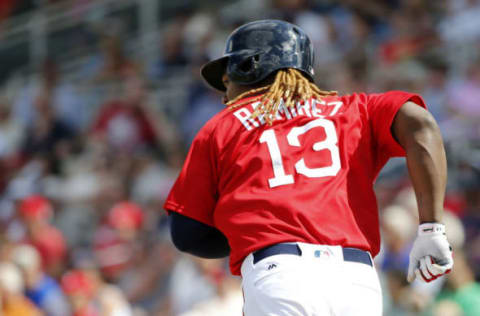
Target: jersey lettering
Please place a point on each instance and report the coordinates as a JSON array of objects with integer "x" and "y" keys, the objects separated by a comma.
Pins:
[
  {"x": 244, "y": 115},
  {"x": 313, "y": 108}
]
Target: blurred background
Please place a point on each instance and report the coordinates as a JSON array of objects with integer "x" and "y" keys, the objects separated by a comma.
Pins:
[{"x": 100, "y": 99}]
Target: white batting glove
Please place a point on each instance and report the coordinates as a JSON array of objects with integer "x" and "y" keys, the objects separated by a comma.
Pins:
[{"x": 431, "y": 254}]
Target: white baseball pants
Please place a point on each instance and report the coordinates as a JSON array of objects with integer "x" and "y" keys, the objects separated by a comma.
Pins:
[{"x": 319, "y": 282}]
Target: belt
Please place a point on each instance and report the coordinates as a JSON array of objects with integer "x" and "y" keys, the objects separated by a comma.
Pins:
[{"x": 349, "y": 254}]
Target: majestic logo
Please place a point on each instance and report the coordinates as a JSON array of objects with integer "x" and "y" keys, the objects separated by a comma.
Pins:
[{"x": 271, "y": 266}]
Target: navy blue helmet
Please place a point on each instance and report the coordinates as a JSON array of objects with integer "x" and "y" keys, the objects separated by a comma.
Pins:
[{"x": 255, "y": 50}]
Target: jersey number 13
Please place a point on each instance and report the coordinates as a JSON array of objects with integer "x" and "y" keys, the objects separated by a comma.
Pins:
[{"x": 329, "y": 143}]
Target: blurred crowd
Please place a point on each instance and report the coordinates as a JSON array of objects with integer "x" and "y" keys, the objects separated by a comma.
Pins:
[{"x": 87, "y": 162}]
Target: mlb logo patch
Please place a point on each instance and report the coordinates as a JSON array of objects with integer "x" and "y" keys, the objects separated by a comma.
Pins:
[{"x": 322, "y": 253}]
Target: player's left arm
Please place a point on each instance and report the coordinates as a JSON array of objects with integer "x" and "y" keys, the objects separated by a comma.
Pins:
[
  {"x": 193, "y": 198},
  {"x": 418, "y": 133}
]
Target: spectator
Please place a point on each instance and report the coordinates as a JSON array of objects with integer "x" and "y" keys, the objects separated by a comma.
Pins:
[
  {"x": 116, "y": 241},
  {"x": 109, "y": 298},
  {"x": 398, "y": 231},
  {"x": 40, "y": 288},
  {"x": 47, "y": 134},
  {"x": 12, "y": 134},
  {"x": 146, "y": 282},
  {"x": 11, "y": 131},
  {"x": 463, "y": 95},
  {"x": 124, "y": 124},
  {"x": 173, "y": 53},
  {"x": 460, "y": 24},
  {"x": 80, "y": 291},
  {"x": 126, "y": 218},
  {"x": 469, "y": 180},
  {"x": 229, "y": 299},
  {"x": 63, "y": 98},
  {"x": 191, "y": 284},
  {"x": 202, "y": 109},
  {"x": 115, "y": 65},
  {"x": 461, "y": 289},
  {"x": 13, "y": 303},
  {"x": 36, "y": 212},
  {"x": 435, "y": 92},
  {"x": 408, "y": 39}
]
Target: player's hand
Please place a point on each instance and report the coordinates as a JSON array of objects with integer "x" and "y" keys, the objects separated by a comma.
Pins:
[{"x": 431, "y": 254}]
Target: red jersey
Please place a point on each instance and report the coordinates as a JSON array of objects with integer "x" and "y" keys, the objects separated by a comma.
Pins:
[{"x": 307, "y": 178}]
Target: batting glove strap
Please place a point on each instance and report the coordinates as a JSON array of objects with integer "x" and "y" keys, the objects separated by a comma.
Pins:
[{"x": 431, "y": 229}]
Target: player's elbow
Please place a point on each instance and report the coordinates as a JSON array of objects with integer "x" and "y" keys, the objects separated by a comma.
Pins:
[{"x": 425, "y": 122}]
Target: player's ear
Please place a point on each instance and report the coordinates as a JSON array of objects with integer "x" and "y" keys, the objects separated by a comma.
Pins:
[{"x": 225, "y": 80}]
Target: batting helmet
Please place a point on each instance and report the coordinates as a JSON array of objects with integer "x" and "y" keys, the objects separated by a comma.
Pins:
[{"x": 256, "y": 49}]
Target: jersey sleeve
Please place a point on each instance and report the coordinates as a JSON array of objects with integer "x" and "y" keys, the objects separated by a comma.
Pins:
[
  {"x": 382, "y": 109},
  {"x": 194, "y": 193}
]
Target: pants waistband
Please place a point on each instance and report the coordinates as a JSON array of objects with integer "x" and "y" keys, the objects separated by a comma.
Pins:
[{"x": 349, "y": 254}]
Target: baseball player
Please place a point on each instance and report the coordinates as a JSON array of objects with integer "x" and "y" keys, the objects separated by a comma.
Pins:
[{"x": 281, "y": 180}]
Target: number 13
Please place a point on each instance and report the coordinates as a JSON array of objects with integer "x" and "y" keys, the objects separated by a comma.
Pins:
[{"x": 330, "y": 144}]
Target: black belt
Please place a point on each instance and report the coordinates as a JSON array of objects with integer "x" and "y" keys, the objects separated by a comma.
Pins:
[{"x": 349, "y": 254}]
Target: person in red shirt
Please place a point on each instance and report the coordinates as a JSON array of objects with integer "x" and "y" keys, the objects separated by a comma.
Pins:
[
  {"x": 281, "y": 180},
  {"x": 80, "y": 290},
  {"x": 125, "y": 124},
  {"x": 36, "y": 212},
  {"x": 116, "y": 241}
]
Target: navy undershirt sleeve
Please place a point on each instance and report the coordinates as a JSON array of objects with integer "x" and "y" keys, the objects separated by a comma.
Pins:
[{"x": 197, "y": 238}]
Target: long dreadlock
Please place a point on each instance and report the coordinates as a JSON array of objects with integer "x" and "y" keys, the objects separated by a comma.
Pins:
[{"x": 289, "y": 87}]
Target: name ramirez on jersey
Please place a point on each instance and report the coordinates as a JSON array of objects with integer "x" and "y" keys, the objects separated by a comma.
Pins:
[{"x": 311, "y": 108}]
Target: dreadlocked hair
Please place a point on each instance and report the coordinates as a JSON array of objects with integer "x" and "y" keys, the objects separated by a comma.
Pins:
[{"x": 289, "y": 87}]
